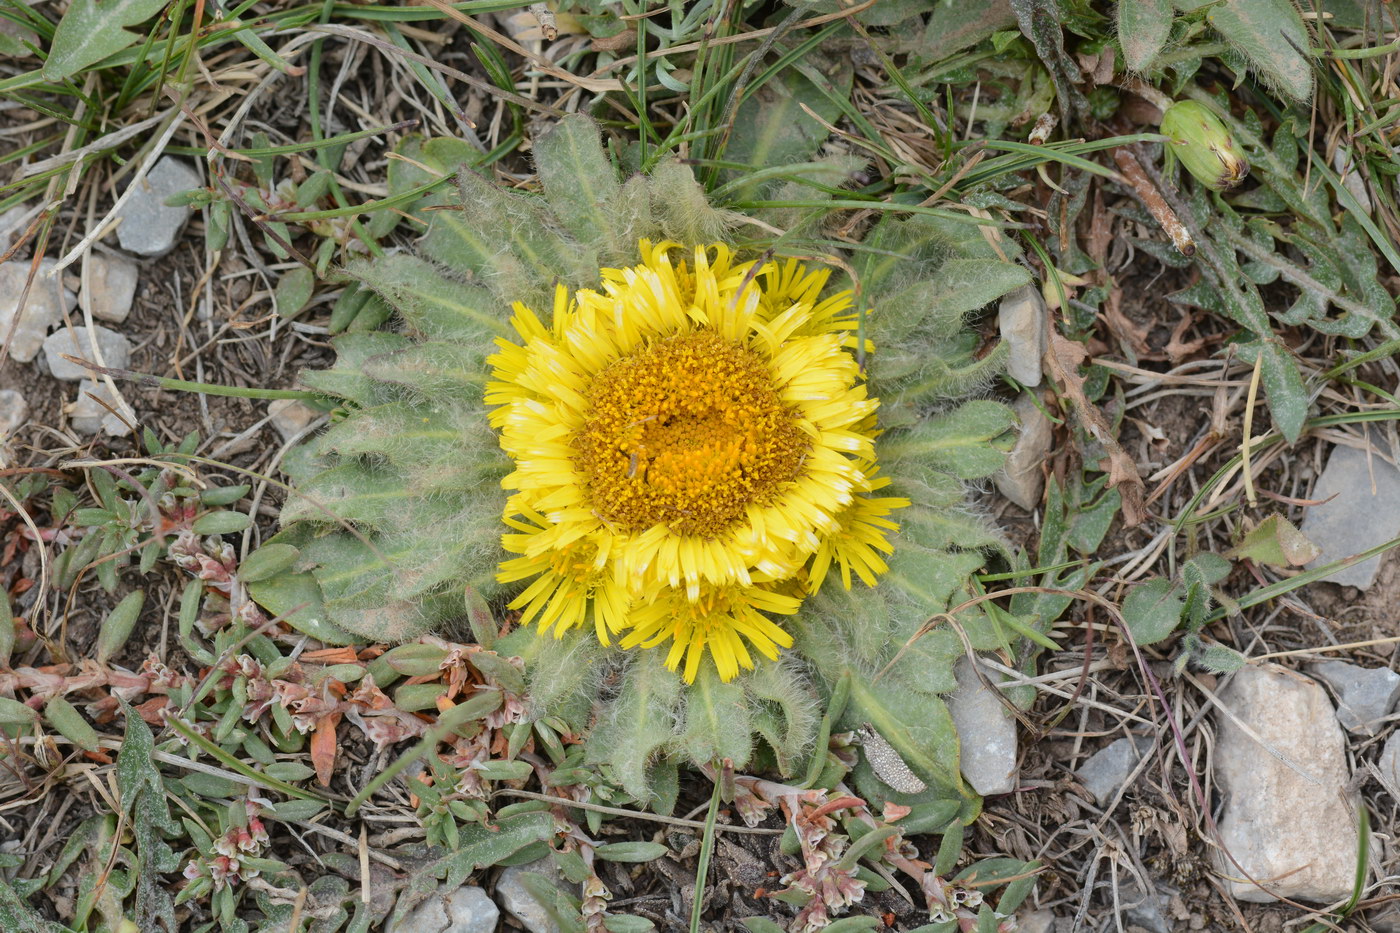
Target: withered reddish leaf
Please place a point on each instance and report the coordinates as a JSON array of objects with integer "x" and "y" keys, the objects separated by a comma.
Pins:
[{"x": 323, "y": 748}]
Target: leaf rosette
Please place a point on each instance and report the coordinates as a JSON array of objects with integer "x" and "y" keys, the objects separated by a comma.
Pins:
[{"x": 713, "y": 486}]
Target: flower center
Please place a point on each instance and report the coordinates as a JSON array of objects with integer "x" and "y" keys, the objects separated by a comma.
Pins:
[{"x": 687, "y": 432}]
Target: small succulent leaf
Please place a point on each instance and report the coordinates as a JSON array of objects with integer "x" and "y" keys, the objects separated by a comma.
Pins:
[
  {"x": 580, "y": 184},
  {"x": 1276, "y": 542},
  {"x": 432, "y": 301},
  {"x": 90, "y": 32},
  {"x": 1143, "y": 27},
  {"x": 1272, "y": 36},
  {"x": 116, "y": 628},
  {"x": 958, "y": 442},
  {"x": 267, "y": 561},
  {"x": 68, "y": 722},
  {"x": 634, "y": 851},
  {"x": 1153, "y": 611},
  {"x": 293, "y": 291},
  {"x": 717, "y": 724},
  {"x": 639, "y": 725},
  {"x": 345, "y": 379}
]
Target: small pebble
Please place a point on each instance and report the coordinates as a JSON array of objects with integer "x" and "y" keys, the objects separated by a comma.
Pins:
[
  {"x": 111, "y": 287},
  {"x": 1022, "y": 480},
  {"x": 1390, "y": 763},
  {"x": 520, "y": 903},
  {"x": 986, "y": 733},
  {"x": 466, "y": 910},
  {"x": 1349, "y": 517},
  {"x": 290, "y": 417},
  {"x": 1106, "y": 770},
  {"x": 87, "y": 416},
  {"x": 1364, "y": 694},
  {"x": 1293, "y": 832},
  {"x": 14, "y": 409},
  {"x": 149, "y": 226},
  {"x": 48, "y": 300},
  {"x": 77, "y": 342},
  {"x": 1021, "y": 320}
]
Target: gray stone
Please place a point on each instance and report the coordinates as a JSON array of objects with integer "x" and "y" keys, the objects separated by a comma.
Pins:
[
  {"x": 290, "y": 417},
  {"x": 14, "y": 408},
  {"x": 986, "y": 731},
  {"x": 149, "y": 226},
  {"x": 77, "y": 341},
  {"x": 1390, "y": 763},
  {"x": 466, "y": 910},
  {"x": 47, "y": 302},
  {"x": 520, "y": 903},
  {"x": 1021, "y": 319},
  {"x": 88, "y": 415},
  {"x": 1106, "y": 770},
  {"x": 1144, "y": 911},
  {"x": 111, "y": 287},
  {"x": 1295, "y": 833},
  {"x": 14, "y": 220},
  {"x": 1365, "y": 694},
  {"x": 1355, "y": 517},
  {"x": 1022, "y": 479}
]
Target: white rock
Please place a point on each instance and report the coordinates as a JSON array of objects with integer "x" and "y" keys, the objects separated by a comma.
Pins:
[
  {"x": 520, "y": 903},
  {"x": 1293, "y": 834},
  {"x": 1106, "y": 770},
  {"x": 87, "y": 416},
  {"x": 986, "y": 732},
  {"x": 111, "y": 287},
  {"x": 76, "y": 341},
  {"x": 1354, "y": 517},
  {"x": 1021, "y": 319},
  {"x": 1390, "y": 763},
  {"x": 14, "y": 220},
  {"x": 150, "y": 227},
  {"x": 47, "y": 302},
  {"x": 14, "y": 408},
  {"x": 466, "y": 910},
  {"x": 1364, "y": 694},
  {"x": 290, "y": 417},
  {"x": 1022, "y": 479}
]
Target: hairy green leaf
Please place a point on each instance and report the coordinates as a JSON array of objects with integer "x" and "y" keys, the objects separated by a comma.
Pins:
[
  {"x": 91, "y": 31},
  {"x": 1143, "y": 27}
]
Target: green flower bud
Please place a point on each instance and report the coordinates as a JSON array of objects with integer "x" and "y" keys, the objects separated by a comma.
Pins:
[{"x": 1203, "y": 144}]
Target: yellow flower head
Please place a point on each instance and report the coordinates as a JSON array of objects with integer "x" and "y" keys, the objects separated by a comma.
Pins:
[{"x": 687, "y": 438}]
